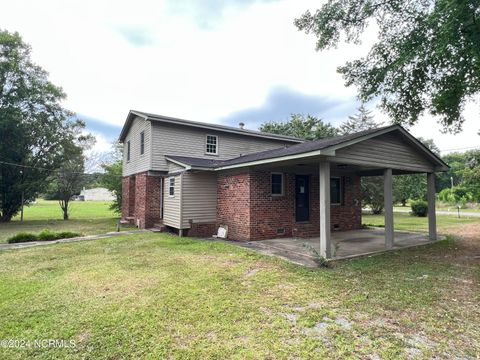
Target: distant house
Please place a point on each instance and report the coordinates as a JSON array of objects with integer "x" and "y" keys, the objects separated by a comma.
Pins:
[
  {"x": 194, "y": 176},
  {"x": 96, "y": 194}
]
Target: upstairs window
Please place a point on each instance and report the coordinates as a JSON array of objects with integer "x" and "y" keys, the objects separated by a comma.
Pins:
[
  {"x": 277, "y": 184},
  {"x": 171, "y": 188},
  {"x": 336, "y": 191},
  {"x": 212, "y": 145},
  {"x": 142, "y": 142},
  {"x": 128, "y": 150}
]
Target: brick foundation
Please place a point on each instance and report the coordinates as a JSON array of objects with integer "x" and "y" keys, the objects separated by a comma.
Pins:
[
  {"x": 252, "y": 213},
  {"x": 202, "y": 230}
]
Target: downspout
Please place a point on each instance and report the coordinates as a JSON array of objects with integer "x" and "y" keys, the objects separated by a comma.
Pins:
[{"x": 180, "y": 229}]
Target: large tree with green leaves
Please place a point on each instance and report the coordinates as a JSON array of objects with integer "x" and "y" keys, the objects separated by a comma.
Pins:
[
  {"x": 427, "y": 57},
  {"x": 302, "y": 126},
  {"x": 35, "y": 129}
]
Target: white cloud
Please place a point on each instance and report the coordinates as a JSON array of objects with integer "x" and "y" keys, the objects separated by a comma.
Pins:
[{"x": 169, "y": 65}]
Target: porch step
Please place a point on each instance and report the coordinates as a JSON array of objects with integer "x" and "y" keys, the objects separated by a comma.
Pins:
[
  {"x": 158, "y": 227},
  {"x": 127, "y": 221}
]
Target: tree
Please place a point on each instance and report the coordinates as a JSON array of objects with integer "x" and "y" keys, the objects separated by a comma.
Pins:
[
  {"x": 372, "y": 193},
  {"x": 112, "y": 180},
  {"x": 70, "y": 177},
  {"x": 363, "y": 120},
  {"x": 66, "y": 183},
  {"x": 306, "y": 127},
  {"x": 426, "y": 57},
  {"x": 34, "y": 128},
  {"x": 406, "y": 187},
  {"x": 112, "y": 176}
]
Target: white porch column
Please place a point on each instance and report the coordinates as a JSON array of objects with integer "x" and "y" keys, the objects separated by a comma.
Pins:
[
  {"x": 388, "y": 199},
  {"x": 432, "y": 219},
  {"x": 324, "y": 183}
]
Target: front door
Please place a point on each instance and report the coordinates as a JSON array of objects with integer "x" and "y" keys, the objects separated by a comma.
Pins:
[{"x": 302, "y": 198}]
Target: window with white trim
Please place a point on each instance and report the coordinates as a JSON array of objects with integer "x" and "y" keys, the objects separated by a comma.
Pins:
[
  {"x": 211, "y": 146},
  {"x": 128, "y": 150},
  {"x": 277, "y": 184},
  {"x": 171, "y": 187}
]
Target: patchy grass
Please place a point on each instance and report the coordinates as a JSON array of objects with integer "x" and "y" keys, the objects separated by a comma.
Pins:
[
  {"x": 160, "y": 296},
  {"x": 88, "y": 218},
  {"x": 407, "y": 222}
]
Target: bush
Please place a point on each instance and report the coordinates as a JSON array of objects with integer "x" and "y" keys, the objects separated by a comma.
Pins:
[
  {"x": 45, "y": 235},
  {"x": 22, "y": 237},
  {"x": 419, "y": 208}
]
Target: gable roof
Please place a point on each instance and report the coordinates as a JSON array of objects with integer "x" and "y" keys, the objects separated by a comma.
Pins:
[
  {"x": 325, "y": 146},
  {"x": 230, "y": 129}
]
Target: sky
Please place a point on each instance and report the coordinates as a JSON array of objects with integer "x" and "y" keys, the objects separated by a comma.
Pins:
[{"x": 218, "y": 61}]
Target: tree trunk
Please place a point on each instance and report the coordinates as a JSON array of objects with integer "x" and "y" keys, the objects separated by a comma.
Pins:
[{"x": 64, "y": 206}]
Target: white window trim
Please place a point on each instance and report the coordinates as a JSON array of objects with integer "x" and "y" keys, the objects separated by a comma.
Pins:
[
  {"x": 283, "y": 183},
  {"x": 340, "y": 190},
  {"x": 216, "y": 147},
  {"x": 129, "y": 151},
  {"x": 170, "y": 186}
]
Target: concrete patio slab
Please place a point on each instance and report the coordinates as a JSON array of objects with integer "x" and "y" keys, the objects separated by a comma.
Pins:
[{"x": 347, "y": 244}]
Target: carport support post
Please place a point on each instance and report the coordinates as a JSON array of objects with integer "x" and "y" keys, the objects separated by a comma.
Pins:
[
  {"x": 324, "y": 183},
  {"x": 388, "y": 199},
  {"x": 432, "y": 220}
]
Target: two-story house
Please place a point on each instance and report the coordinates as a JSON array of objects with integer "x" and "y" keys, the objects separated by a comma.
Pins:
[{"x": 192, "y": 177}]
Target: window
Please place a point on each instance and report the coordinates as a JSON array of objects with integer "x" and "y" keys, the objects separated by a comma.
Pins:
[
  {"x": 277, "y": 184},
  {"x": 212, "y": 145},
  {"x": 142, "y": 142},
  {"x": 128, "y": 150},
  {"x": 336, "y": 191},
  {"x": 171, "y": 188}
]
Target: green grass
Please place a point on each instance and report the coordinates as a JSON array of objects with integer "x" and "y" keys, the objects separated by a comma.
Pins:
[
  {"x": 88, "y": 218},
  {"x": 405, "y": 221},
  {"x": 158, "y": 296}
]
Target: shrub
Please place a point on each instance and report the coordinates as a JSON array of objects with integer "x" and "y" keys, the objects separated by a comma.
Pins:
[
  {"x": 22, "y": 237},
  {"x": 419, "y": 208},
  {"x": 44, "y": 235}
]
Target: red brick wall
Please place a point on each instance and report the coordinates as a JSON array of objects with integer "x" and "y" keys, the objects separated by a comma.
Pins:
[
  {"x": 260, "y": 216},
  {"x": 128, "y": 196},
  {"x": 348, "y": 216},
  {"x": 147, "y": 200},
  {"x": 233, "y": 204}
]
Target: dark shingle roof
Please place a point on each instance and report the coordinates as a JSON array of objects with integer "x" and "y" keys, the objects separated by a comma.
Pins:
[{"x": 196, "y": 162}]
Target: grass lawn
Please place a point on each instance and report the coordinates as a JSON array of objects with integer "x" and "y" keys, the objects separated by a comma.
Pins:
[
  {"x": 89, "y": 217},
  {"x": 160, "y": 296},
  {"x": 405, "y": 221}
]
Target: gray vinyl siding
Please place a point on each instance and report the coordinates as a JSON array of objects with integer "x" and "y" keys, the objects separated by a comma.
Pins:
[
  {"x": 172, "y": 205},
  {"x": 387, "y": 151},
  {"x": 187, "y": 141},
  {"x": 138, "y": 163},
  {"x": 199, "y": 198}
]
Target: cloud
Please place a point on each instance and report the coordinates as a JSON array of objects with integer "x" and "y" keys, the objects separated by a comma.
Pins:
[
  {"x": 208, "y": 13},
  {"x": 281, "y": 102},
  {"x": 137, "y": 36},
  {"x": 108, "y": 132}
]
